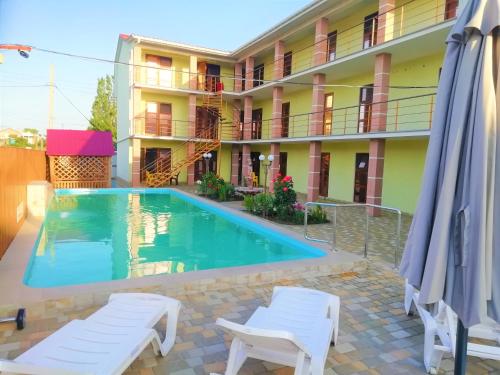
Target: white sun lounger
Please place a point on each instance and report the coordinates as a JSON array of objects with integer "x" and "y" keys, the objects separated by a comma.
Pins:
[
  {"x": 83, "y": 347},
  {"x": 444, "y": 326},
  {"x": 129, "y": 310},
  {"x": 295, "y": 330}
]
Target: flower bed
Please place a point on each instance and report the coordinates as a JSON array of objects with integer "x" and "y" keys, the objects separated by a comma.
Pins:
[
  {"x": 282, "y": 206},
  {"x": 214, "y": 187}
]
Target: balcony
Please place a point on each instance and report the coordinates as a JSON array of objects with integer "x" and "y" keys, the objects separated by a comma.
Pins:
[
  {"x": 403, "y": 20},
  {"x": 157, "y": 78},
  {"x": 408, "y": 114}
]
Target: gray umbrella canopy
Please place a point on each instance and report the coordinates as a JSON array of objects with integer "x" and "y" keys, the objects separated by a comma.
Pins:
[{"x": 453, "y": 249}]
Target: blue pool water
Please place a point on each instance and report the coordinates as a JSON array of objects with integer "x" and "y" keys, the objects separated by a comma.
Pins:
[{"x": 111, "y": 234}]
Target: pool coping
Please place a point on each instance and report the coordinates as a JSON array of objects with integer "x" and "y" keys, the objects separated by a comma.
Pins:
[{"x": 13, "y": 292}]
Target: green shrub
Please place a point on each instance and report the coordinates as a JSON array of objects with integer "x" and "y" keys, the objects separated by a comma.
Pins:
[
  {"x": 284, "y": 196},
  {"x": 317, "y": 216},
  {"x": 215, "y": 187},
  {"x": 225, "y": 191},
  {"x": 264, "y": 203},
  {"x": 249, "y": 203}
]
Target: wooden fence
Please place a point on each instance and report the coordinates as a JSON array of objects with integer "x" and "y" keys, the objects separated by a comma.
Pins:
[{"x": 18, "y": 167}]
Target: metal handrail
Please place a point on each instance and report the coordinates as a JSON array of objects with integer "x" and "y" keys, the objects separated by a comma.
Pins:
[{"x": 367, "y": 235}]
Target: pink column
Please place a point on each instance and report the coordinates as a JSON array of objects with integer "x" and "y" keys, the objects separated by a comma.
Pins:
[
  {"x": 375, "y": 174},
  {"x": 277, "y": 112},
  {"x": 385, "y": 29},
  {"x": 193, "y": 72},
  {"x": 245, "y": 162},
  {"x": 235, "y": 154},
  {"x": 318, "y": 105},
  {"x": 314, "y": 169},
  {"x": 279, "y": 53},
  {"x": 381, "y": 91},
  {"x": 249, "y": 64},
  {"x": 379, "y": 122},
  {"x": 236, "y": 119},
  {"x": 247, "y": 117},
  {"x": 320, "y": 42},
  {"x": 136, "y": 162},
  {"x": 191, "y": 133},
  {"x": 238, "y": 69}
]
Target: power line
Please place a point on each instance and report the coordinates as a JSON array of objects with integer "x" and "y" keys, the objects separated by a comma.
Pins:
[
  {"x": 72, "y": 104},
  {"x": 90, "y": 58}
]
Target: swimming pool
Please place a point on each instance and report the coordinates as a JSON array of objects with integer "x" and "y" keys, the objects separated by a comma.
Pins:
[{"x": 111, "y": 234}]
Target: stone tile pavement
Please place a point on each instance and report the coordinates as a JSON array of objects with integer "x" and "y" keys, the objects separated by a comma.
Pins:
[{"x": 376, "y": 337}]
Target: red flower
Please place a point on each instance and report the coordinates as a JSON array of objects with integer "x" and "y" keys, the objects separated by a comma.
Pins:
[
  {"x": 286, "y": 178},
  {"x": 285, "y": 189}
]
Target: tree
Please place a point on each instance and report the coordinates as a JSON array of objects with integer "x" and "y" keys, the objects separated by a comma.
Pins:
[{"x": 104, "y": 107}]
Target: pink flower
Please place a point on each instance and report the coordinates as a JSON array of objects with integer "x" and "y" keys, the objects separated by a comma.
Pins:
[
  {"x": 286, "y": 178},
  {"x": 285, "y": 189}
]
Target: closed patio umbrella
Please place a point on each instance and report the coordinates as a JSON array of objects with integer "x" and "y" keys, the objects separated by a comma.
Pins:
[{"x": 453, "y": 249}]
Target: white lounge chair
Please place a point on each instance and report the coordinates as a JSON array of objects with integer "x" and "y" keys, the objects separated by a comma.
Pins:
[
  {"x": 295, "y": 330},
  {"x": 83, "y": 347},
  {"x": 145, "y": 310},
  {"x": 444, "y": 326}
]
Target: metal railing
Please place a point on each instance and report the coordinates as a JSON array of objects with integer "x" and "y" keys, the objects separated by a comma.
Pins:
[
  {"x": 404, "y": 114},
  {"x": 404, "y": 19},
  {"x": 373, "y": 208}
]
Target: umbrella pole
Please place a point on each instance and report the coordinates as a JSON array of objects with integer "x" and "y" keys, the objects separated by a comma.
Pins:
[{"x": 461, "y": 349}]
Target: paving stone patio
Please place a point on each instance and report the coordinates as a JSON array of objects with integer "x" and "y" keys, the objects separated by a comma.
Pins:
[{"x": 376, "y": 337}]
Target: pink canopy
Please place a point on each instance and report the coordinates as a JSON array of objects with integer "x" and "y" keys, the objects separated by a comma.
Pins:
[{"x": 79, "y": 143}]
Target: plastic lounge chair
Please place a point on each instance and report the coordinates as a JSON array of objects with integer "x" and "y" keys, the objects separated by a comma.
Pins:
[
  {"x": 84, "y": 347},
  {"x": 130, "y": 310},
  {"x": 295, "y": 330},
  {"x": 444, "y": 325}
]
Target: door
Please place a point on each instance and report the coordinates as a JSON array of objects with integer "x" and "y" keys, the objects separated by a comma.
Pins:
[
  {"x": 206, "y": 123},
  {"x": 200, "y": 166},
  {"x": 213, "y": 77},
  {"x": 159, "y": 70},
  {"x": 158, "y": 119},
  {"x": 324, "y": 174},
  {"x": 155, "y": 160},
  {"x": 254, "y": 157},
  {"x": 240, "y": 168},
  {"x": 328, "y": 114},
  {"x": 332, "y": 45},
  {"x": 165, "y": 120},
  {"x": 360, "y": 178},
  {"x": 370, "y": 30},
  {"x": 287, "y": 64},
  {"x": 283, "y": 163},
  {"x": 450, "y": 9},
  {"x": 285, "y": 119},
  {"x": 365, "y": 108},
  {"x": 257, "y": 123}
]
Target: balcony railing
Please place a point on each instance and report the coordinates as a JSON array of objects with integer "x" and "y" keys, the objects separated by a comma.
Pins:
[
  {"x": 169, "y": 78},
  {"x": 405, "y": 114},
  {"x": 407, "y": 18}
]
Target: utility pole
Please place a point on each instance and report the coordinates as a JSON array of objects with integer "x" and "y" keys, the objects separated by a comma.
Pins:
[{"x": 51, "y": 98}]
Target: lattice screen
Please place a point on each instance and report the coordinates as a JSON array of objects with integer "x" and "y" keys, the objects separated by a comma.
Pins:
[{"x": 80, "y": 171}]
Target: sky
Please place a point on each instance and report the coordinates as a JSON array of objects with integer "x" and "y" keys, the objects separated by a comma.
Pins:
[{"x": 91, "y": 28}]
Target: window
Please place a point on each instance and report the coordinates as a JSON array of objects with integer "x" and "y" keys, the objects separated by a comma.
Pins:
[
  {"x": 328, "y": 114},
  {"x": 370, "y": 30},
  {"x": 287, "y": 64},
  {"x": 365, "y": 108},
  {"x": 332, "y": 45},
  {"x": 258, "y": 75},
  {"x": 450, "y": 9},
  {"x": 285, "y": 119}
]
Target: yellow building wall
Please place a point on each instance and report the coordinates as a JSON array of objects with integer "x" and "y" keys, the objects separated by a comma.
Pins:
[
  {"x": 179, "y": 152},
  {"x": 403, "y": 171}
]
